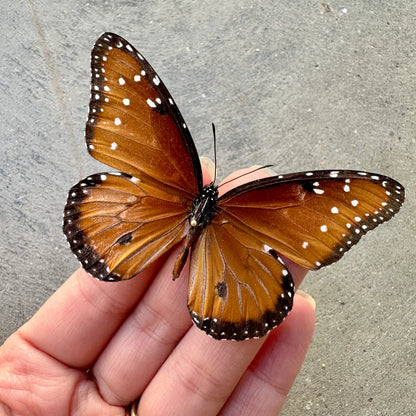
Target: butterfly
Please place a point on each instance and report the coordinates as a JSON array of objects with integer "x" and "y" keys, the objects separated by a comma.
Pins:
[{"x": 118, "y": 223}]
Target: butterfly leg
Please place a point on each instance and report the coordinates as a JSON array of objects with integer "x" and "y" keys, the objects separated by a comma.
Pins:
[{"x": 192, "y": 236}]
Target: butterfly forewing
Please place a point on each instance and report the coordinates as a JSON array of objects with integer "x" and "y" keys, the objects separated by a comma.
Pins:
[
  {"x": 313, "y": 218},
  {"x": 117, "y": 224},
  {"x": 239, "y": 287},
  {"x": 134, "y": 125}
]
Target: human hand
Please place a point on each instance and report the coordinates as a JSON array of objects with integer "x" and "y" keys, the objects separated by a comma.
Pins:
[{"x": 94, "y": 347}]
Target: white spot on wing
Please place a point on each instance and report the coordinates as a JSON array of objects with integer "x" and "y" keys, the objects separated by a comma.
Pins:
[
  {"x": 150, "y": 103},
  {"x": 121, "y": 81},
  {"x": 113, "y": 146},
  {"x": 334, "y": 210},
  {"x": 324, "y": 228},
  {"x": 354, "y": 202},
  {"x": 126, "y": 101},
  {"x": 117, "y": 121},
  {"x": 280, "y": 260}
]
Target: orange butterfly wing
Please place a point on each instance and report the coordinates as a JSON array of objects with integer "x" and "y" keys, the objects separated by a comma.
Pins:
[
  {"x": 117, "y": 224},
  {"x": 313, "y": 218},
  {"x": 134, "y": 125},
  {"x": 239, "y": 288}
]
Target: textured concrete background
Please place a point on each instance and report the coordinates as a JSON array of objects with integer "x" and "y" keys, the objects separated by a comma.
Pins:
[{"x": 301, "y": 84}]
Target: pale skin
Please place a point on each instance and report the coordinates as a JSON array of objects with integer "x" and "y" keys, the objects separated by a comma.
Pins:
[{"x": 136, "y": 338}]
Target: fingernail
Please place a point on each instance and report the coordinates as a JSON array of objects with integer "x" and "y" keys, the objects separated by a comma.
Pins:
[
  {"x": 270, "y": 171},
  {"x": 308, "y": 297},
  {"x": 208, "y": 164}
]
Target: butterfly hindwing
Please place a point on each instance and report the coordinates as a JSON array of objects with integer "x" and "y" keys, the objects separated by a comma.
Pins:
[
  {"x": 134, "y": 125},
  {"x": 313, "y": 218},
  {"x": 117, "y": 225},
  {"x": 239, "y": 287}
]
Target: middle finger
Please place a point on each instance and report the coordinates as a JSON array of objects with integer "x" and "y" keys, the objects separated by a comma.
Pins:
[{"x": 145, "y": 339}]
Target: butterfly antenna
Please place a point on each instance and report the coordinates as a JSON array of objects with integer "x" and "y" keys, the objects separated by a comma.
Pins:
[
  {"x": 244, "y": 174},
  {"x": 215, "y": 153}
]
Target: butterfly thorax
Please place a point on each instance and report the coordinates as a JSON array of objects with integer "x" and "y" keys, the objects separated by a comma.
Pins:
[{"x": 204, "y": 206}]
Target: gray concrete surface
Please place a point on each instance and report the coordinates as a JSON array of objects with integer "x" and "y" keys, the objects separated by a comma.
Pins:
[{"x": 300, "y": 84}]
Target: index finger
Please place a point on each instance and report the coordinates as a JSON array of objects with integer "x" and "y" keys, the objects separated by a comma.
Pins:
[{"x": 79, "y": 319}]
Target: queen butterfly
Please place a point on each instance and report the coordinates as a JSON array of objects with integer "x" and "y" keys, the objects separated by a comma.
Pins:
[{"x": 119, "y": 223}]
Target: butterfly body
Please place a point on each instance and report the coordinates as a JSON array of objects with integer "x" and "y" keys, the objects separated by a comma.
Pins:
[
  {"x": 204, "y": 206},
  {"x": 204, "y": 209},
  {"x": 117, "y": 224}
]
